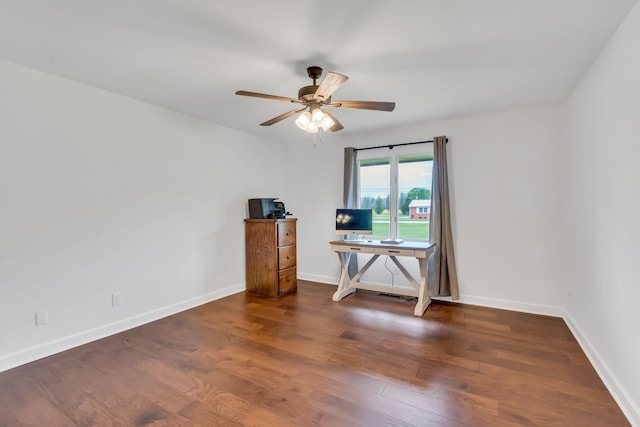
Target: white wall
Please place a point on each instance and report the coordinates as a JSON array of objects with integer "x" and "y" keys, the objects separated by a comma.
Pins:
[
  {"x": 100, "y": 194},
  {"x": 602, "y": 212},
  {"x": 504, "y": 172}
]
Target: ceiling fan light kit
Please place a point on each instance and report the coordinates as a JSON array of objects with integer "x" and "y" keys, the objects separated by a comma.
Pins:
[
  {"x": 305, "y": 122},
  {"x": 314, "y": 120},
  {"x": 312, "y": 117}
]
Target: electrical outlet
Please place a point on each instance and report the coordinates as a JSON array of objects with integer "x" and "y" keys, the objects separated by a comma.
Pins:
[
  {"x": 116, "y": 299},
  {"x": 42, "y": 317}
]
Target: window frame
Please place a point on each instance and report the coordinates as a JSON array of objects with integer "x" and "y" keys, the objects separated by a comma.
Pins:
[{"x": 394, "y": 191}]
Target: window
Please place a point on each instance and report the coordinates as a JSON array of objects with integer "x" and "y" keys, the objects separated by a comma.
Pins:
[{"x": 396, "y": 185}]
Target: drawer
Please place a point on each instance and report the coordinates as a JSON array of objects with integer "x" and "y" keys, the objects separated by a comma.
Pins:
[
  {"x": 286, "y": 233},
  {"x": 395, "y": 252},
  {"x": 288, "y": 280},
  {"x": 286, "y": 257},
  {"x": 371, "y": 249}
]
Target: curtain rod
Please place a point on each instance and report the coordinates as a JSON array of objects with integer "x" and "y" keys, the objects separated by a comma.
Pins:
[{"x": 390, "y": 146}]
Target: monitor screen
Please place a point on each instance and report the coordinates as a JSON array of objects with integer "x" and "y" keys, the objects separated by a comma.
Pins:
[{"x": 354, "y": 221}]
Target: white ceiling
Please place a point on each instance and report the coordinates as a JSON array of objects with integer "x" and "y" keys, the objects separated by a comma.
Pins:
[{"x": 436, "y": 59}]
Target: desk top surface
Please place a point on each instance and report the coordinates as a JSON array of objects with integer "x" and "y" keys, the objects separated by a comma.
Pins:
[{"x": 414, "y": 246}]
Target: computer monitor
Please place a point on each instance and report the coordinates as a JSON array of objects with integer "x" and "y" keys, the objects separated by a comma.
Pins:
[{"x": 354, "y": 221}]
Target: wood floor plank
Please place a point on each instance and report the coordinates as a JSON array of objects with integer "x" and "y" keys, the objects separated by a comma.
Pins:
[{"x": 303, "y": 359}]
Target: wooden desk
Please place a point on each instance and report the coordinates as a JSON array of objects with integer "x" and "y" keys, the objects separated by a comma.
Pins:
[{"x": 419, "y": 250}]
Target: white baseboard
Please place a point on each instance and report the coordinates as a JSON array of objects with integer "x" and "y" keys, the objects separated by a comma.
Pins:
[
  {"x": 619, "y": 393},
  {"x": 319, "y": 278},
  {"x": 546, "y": 310},
  {"x": 524, "y": 307},
  {"x": 31, "y": 354}
]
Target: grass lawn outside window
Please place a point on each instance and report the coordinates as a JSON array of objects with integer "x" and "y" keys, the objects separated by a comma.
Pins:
[{"x": 410, "y": 229}]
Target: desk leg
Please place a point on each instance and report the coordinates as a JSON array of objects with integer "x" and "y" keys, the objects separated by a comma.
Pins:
[
  {"x": 423, "y": 297},
  {"x": 343, "y": 285}
]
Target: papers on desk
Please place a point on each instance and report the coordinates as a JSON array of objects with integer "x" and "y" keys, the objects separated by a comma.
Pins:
[{"x": 392, "y": 241}]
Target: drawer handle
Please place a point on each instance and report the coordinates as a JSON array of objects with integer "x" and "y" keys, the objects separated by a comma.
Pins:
[
  {"x": 393, "y": 252},
  {"x": 355, "y": 249}
]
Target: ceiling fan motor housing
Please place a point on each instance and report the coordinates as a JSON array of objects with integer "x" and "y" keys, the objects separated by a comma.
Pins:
[{"x": 307, "y": 93}]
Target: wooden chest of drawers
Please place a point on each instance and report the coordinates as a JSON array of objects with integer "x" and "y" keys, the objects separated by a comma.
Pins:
[{"x": 270, "y": 247}]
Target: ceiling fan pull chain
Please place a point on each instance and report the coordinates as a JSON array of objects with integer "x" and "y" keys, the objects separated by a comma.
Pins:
[{"x": 317, "y": 138}]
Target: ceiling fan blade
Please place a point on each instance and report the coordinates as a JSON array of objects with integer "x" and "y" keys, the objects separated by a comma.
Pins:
[
  {"x": 337, "y": 126},
  {"x": 331, "y": 82},
  {"x": 282, "y": 117},
  {"x": 364, "y": 105},
  {"x": 264, "y": 95}
]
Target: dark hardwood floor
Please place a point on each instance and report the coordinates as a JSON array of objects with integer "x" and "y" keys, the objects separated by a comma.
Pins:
[{"x": 304, "y": 360}]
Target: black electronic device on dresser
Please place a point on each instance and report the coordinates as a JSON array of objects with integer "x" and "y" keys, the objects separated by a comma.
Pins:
[{"x": 267, "y": 208}]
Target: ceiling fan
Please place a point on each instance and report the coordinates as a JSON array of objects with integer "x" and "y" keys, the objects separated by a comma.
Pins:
[{"x": 314, "y": 97}]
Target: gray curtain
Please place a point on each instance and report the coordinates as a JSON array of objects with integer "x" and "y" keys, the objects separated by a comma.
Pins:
[
  {"x": 350, "y": 192},
  {"x": 443, "y": 278}
]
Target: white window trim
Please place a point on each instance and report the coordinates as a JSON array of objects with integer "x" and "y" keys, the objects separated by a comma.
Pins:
[{"x": 393, "y": 155}]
